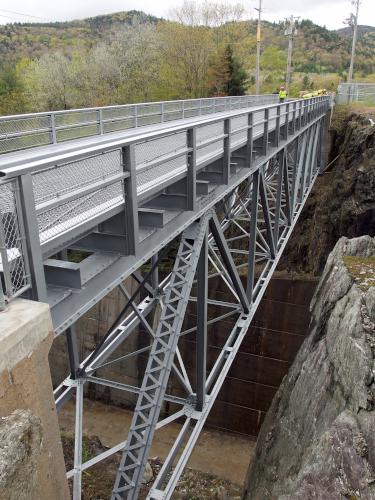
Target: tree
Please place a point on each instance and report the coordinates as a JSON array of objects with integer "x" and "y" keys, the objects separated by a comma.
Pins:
[
  {"x": 185, "y": 58},
  {"x": 228, "y": 77},
  {"x": 238, "y": 80},
  {"x": 306, "y": 82}
]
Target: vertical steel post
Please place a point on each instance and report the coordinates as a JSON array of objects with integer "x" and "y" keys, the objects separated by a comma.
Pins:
[
  {"x": 249, "y": 144},
  {"x": 35, "y": 259},
  {"x": 276, "y": 142},
  {"x": 53, "y": 128},
  {"x": 286, "y": 127},
  {"x": 265, "y": 131},
  {"x": 201, "y": 342},
  {"x": 192, "y": 169},
  {"x": 71, "y": 339},
  {"x": 77, "y": 477},
  {"x": 252, "y": 236},
  {"x": 226, "y": 156},
  {"x": 101, "y": 124},
  {"x": 130, "y": 195}
]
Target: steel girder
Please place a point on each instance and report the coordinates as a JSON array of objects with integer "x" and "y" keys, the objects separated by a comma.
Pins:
[{"x": 239, "y": 242}]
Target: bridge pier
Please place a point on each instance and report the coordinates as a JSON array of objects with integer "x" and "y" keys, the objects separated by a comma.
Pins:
[{"x": 26, "y": 336}]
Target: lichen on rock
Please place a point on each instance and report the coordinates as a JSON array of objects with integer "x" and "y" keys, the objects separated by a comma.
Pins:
[
  {"x": 318, "y": 438},
  {"x": 20, "y": 446}
]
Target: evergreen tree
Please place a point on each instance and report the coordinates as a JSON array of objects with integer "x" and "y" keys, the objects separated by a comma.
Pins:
[
  {"x": 238, "y": 79},
  {"x": 227, "y": 75}
]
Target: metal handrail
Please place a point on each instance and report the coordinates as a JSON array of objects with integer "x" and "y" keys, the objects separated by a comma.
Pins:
[
  {"x": 52, "y": 131},
  {"x": 27, "y": 209}
]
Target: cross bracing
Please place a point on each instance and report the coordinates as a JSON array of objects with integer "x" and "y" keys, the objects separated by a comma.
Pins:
[{"x": 219, "y": 197}]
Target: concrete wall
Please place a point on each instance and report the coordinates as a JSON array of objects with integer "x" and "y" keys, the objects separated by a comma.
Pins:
[{"x": 25, "y": 383}]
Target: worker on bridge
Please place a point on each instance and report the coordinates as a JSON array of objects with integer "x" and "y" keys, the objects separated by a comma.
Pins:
[{"x": 282, "y": 94}]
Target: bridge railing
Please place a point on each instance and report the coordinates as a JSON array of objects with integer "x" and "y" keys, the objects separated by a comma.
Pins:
[
  {"x": 26, "y": 131},
  {"x": 48, "y": 202}
]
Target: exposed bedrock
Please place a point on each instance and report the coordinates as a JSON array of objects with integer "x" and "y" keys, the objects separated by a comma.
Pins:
[{"x": 318, "y": 438}]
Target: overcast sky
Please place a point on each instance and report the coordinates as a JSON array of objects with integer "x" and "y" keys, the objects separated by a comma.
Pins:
[{"x": 330, "y": 13}]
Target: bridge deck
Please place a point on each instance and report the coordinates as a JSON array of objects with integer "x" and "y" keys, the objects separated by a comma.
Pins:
[{"x": 79, "y": 185}]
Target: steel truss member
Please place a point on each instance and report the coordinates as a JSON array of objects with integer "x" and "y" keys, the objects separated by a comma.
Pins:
[{"x": 238, "y": 243}]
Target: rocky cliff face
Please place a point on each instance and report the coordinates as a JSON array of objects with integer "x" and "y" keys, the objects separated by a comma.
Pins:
[
  {"x": 318, "y": 439},
  {"x": 342, "y": 202},
  {"x": 20, "y": 446}
]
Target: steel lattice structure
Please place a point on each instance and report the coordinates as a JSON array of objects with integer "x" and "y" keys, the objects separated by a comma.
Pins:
[{"x": 220, "y": 197}]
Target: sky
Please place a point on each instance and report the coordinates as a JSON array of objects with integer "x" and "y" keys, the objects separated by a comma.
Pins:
[{"x": 330, "y": 13}]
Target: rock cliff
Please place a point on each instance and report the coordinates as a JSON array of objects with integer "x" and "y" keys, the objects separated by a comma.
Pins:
[
  {"x": 318, "y": 439},
  {"x": 342, "y": 202}
]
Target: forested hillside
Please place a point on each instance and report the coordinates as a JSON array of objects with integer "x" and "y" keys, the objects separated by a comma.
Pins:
[{"x": 132, "y": 56}]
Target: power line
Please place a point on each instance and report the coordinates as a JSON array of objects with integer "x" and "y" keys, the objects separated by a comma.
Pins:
[{"x": 21, "y": 14}]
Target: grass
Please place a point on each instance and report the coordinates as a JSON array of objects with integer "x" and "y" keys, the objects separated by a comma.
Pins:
[{"x": 362, "y": 269}]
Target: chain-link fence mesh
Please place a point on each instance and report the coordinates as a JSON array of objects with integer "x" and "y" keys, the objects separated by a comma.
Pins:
[
  {"x": 356, "y": 92},
  {"x": 15, "y": 277},
  {"x": 29, "y": 131},
  {"x": 52, "y": 183}
]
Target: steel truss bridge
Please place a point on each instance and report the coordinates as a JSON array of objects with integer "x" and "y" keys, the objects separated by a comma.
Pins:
[{"x": 214, "y": 185}]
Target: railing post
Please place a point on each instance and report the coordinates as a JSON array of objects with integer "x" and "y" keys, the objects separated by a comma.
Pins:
[
  {"x": 249, "y": 144},
  {"x": 276, "y": 142},
  {"x": 192, "y": 169},
  {"x": 131, "y": 202},
  {"x": 135, "y": 115},
  {"x": 293, "y": 131},
  {"x": 226, "y": 157},
  {"x": 4, "y": 261},
  {"x": 100, "y": 121},
  {"x": 162, "y": 112},
  {"x": 34, "y": 252},
  {"x": 265, "y": 131},
  {"x": 53, "y": 128},
  {"x": 286, "y": 128},
  {"x": 183, "y": 110},
  {"x": 2, "y": 298},
  {"x": 300, "y": 115}
]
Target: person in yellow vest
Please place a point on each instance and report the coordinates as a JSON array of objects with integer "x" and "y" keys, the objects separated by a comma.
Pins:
[{"x": 282, "y": 94}]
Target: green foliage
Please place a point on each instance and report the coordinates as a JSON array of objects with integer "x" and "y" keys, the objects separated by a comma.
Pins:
[
  {"x": 130, "y": 57},
  {"x": 228, "y": 76},
  {"x": 238, "y": 80}
]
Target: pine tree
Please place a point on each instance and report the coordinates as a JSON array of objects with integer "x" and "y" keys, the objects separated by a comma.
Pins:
[
  {"x": 227, "y": 75},
  {"x": 238, "y": 79}
]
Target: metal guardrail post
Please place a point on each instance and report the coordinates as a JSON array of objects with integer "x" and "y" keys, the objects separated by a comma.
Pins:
[
  {"x": 135, "y": 116},
  {"x": 162, "y": 112},
  {"x": 34, "y": 253},
  {"x": 4, "y": 261},
  {"x": 192, "y": 169},
  {"x": 294, "y": 118},
  {"x": 130, "y": 195},
  {"x": 265, "y": 131},
  {"x": 100, "y": 120},
  {"x": 286, "y": 128},
  {"x": 53, "y": 128},
  {"x": 276, "y": 141},
  {"x": 249, "y": 144},
  {"x": 2, "y": 298},
  {"x": 226, "y": 156}
]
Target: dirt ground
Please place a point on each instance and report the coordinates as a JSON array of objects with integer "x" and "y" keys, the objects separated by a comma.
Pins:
[{"x": 216, "y": 469}]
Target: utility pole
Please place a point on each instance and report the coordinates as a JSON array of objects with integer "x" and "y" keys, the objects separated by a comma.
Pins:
[
  {"x": 290, "y": 32},
  {"x": 351, "y": 69},
  {"x": 257, "y": 74}
]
